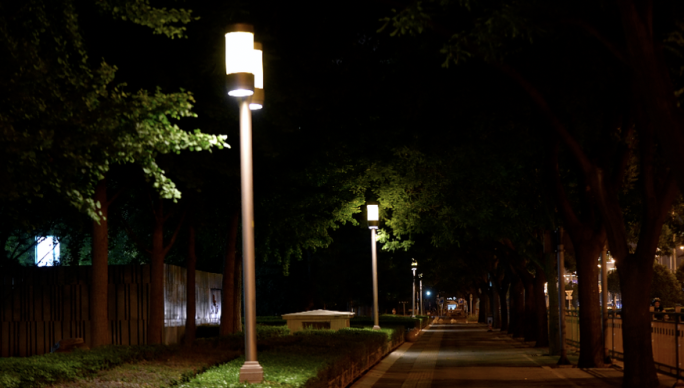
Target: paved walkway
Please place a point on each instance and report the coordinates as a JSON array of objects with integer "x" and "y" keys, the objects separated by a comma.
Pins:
[{"x": 466, "y": 355}]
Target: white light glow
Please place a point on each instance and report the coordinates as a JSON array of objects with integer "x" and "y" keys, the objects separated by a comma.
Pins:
[
  {"x": 240, "y": 52},
  {"x": 240, "y": 93},
  {"x": 258, "y": 67},
  {"x": 373, "y": 213},
  {"x": 47, "y": 251},
  {"x": 428, "y": 293},
  {"x": 254, "y": 106}
]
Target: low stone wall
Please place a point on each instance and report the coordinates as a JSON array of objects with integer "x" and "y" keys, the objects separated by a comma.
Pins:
[{"x": 358, "y": 368}]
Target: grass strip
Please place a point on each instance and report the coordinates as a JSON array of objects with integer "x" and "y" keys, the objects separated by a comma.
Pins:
[
  {"x": 311, "y": 359},
  {"x": 134, "y": 365}
]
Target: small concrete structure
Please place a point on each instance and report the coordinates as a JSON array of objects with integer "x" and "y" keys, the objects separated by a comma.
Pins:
[{"x": 318, "y": 319}]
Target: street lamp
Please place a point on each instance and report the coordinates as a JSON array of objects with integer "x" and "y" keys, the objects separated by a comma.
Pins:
[
  {"x": 372, "y": 208},
  {"x": 414, "y": 267},
  {"x": 243, "y": 67}
]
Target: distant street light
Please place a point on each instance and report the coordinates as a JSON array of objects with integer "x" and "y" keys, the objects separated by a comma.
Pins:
[
  {"x": 414, "y": 267},
  {"x": 244, "y": 71},
  {"x": 372, "y": 208}
]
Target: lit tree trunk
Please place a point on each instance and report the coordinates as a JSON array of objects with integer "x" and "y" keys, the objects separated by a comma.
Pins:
[
  {"x": 237, "y": 298},
  {"x": 228, "y": 293},
  {"x": 99, "y": 320},
  {"x": 191, "y": 307},
  {"x": 155, "y": 327},
  {"x": 591, "y": 337}
]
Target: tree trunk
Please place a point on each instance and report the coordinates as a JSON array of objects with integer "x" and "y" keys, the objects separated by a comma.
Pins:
[
  {"x": 99, "y": 320},
  {"x": 636, "y": 320},
  {"x": 191, "y": 306},
  {"x": 228, "y": 298},
  {"x": 540, "y": 304},
  {"x": 554, "y": 330},
  {"x": 518, "y": 308},
  {"x": 505, "y": 283},
  {"x": 481, "y": 318},
  {"x": 530, "y": 311},
  {"x": 591, "y": 338},
  {"x": 237, "y": 295},
  {"x": 495, "y": 308},
  {"x": 155, "y": 327}
]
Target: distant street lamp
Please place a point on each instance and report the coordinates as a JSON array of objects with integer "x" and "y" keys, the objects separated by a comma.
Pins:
[
  {"x": 414, "y": 267},
  {"x": 244, "y": 73},
  {"x": 372, "y": 208}
]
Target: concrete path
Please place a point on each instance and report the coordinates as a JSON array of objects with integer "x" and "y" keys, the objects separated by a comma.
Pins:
[{"x": 466, "y": 355}]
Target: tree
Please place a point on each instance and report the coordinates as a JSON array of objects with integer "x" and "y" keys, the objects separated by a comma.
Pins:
[
  {"x": 497, "y": 31},
  {"x": 64, "y": 124}
]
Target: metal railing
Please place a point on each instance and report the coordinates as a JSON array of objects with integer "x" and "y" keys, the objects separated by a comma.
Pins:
[{"x": 667, "y": 330}]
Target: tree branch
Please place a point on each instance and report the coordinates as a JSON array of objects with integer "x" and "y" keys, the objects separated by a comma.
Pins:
[{"x": 175, "y": 233}]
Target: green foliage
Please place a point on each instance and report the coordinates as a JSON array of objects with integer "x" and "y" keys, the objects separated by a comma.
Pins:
[
  {"x": 37, "y": 371},
  {"x": 160, "y": 20},
  {"x": 680, "y": 274},
  {"x": 490, "y": 30},
  {"x": 63, "y": 122},
  {"x": 666, "y": 286}
]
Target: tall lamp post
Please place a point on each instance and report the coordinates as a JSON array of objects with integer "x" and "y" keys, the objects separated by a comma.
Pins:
[
  {"x": 414, "y": 267},
  {"x": 244, "y": 77},
  {"x": 373, "y": 211}
]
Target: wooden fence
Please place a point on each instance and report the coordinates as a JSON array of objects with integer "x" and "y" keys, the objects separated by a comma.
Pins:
[
  {"x": 666, "y": 339},
  {"x": 42, "y": 305}
]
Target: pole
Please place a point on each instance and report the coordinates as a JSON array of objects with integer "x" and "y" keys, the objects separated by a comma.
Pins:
[
  {"x": 251, "y": 371},
  {"x": 422, "y": 311},
  {"x": 604, "y": 302},
  {"x": 471, "y": 305},
  {"x": 413, "y": 297},
  {"x": 376, "y": 325},
  {"x": 561, "y": 293}
]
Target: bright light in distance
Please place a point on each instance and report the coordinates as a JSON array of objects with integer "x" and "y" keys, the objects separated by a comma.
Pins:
[
  {"x": 253, "y": 106},
  {"x": 428, "y": 293},
  {"x": 240, "y": 93},
  {"x": 373, "y": 213}
]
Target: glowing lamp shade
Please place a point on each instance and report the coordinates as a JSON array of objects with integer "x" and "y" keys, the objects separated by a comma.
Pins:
[
  {"x": 414, "y": 265},
  {"x": 240, "y": 60},
  {"x": 256, "y": 102},
  {"x": 373, "y": 210}
]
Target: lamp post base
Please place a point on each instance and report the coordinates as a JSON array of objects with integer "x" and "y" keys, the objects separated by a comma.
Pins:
[
  {"x": 376, "y": 327},
  {"x": 251, "y": 372}
]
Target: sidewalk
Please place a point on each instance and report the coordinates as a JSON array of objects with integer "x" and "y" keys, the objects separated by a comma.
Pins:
[{"x": 466, "y": 355}]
